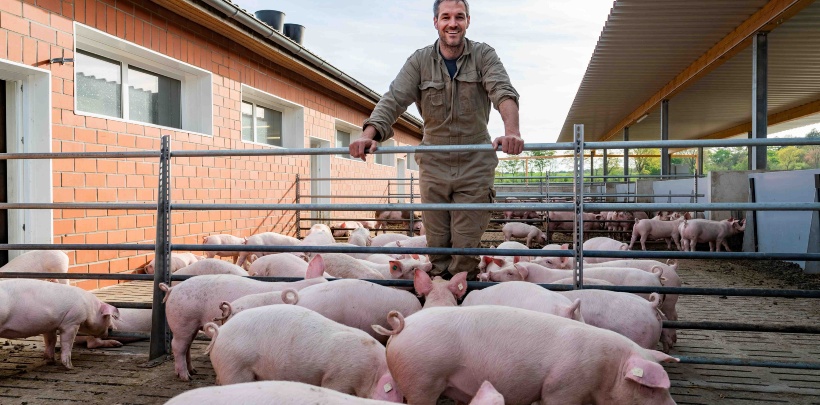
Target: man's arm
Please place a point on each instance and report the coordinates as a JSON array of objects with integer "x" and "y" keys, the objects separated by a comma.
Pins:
[{"x": 511, "y": 143}]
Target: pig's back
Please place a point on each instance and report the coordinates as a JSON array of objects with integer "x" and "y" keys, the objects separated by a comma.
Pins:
[{"x": 269, "y": 392}]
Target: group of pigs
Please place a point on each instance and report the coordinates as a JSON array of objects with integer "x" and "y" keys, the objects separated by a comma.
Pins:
[
  {"x": 324, "y": 341},
  {"x": 686, "y": 232}
]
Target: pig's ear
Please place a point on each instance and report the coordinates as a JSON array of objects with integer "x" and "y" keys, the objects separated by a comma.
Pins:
[
  {"x": 661, "y": 357},
  {"x": 523, "y": 271},
  {"x": 458, "y": 284},
  {"x": 563, "y": 260},
  {"x": 565, "y": 246},
  {"x": 575, "y": 309},
  {"x": 316, "y": 267},
  {"x": 487, "y": 259},
  {"x": 647, "y": 373},
  {"x": 396, "y": 269},
  {"x": 422, "y": 283},
  {"x": 107, "y": 309},
  {"x": 498, "y": 262},
  {"x": 415, "y": 256}
]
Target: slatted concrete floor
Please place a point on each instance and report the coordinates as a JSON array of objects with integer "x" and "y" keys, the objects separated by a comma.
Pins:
[{"x": 114, "y": 376}]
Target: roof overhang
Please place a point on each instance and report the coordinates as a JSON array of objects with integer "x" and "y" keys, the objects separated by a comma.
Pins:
[{"x": 697, "y": 54}]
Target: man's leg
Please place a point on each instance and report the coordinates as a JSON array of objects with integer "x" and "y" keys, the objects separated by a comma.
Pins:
[
  {"x": 436, "y": 223},
  {"x": 468, "y": 226}
]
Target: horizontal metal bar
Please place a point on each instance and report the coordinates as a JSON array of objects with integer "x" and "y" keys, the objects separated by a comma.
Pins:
[
  {"x": 743, "y": 327},
  {"x": 705, "y": 143},
  {"x": 78, "y": 246},
  {"x": 783, "y": 206},
  {"x": 632, "y": 177},
  {"x": 83, "y": 206},
  {"x": 802, "y": 365},
  {"x": 79, "y": 155},
  {"x": 79, "y": 276},
  {"x": 380, "y": 197},
  {"x": 128, "y": 304},
  {"x": 673, "y": 254},
  {"x": 128, "y": 335},
  {"x": 345, "y": 151},
  {"x": 353, "y": 179}
]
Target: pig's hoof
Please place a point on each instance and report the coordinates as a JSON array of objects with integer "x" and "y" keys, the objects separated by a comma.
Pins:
[
  {"x": 109, "y": 343},
  {"x": 67, "y": 364},
  {"x": 193, "y": 371}
]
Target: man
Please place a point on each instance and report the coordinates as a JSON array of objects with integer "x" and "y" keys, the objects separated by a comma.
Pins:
[{"x": 453, "y": 83}]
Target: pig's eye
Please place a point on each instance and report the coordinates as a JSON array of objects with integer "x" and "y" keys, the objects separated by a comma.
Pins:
[{"x": 395, "y": 267}]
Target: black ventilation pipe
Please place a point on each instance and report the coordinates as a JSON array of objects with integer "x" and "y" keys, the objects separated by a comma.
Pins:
[
  {"x": 272, "y": 17},
  {"x": 295, "y": 32}
]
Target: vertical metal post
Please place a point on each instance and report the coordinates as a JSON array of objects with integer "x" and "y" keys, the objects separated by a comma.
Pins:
[
  {"x": 578, "y": 189},
  {"x": 412, "y": 215},
  {"x": 626, "y": 159},
  {"x": 760, "y": 93},
  {"x": 749, "y": 153},
  {"x": 665, "y": 162},
  {"x": 753, "y": 199},
  {"x": 298, "y": 213},
  {"x": 160, "y": 334},
  {"x": 606, "y": 173},
  {"x": 700, "y": 160}
]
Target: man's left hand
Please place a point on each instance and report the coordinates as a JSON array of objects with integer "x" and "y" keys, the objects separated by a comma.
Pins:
[{"x": 510, "y": 144}]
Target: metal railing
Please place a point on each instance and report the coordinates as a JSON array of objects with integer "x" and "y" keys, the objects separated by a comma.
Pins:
[{"x": 160, "y": 336}]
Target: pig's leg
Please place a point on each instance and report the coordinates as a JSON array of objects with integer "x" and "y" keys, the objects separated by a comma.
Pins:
[
  {"x": 423, "y": 389},
  {"x": 235, "y": 373},
  {"x": 50, "y": 340},
  {"x": 712, "y": 246},
  {"x": 96, "y": 343},
  {"x": 67, "y": 335},
  {"x": 180, "y": 347},
  {"x": 643, "y": 241},
  {"x": 241, "y": 259},
  {"x": 726, "y": 245}
]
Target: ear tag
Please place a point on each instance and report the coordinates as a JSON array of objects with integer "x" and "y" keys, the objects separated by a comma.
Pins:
[
  {"x": 460, "y": 286},
  {"x": 388, "y": 387},
  {"x": 637, "y": 372}
]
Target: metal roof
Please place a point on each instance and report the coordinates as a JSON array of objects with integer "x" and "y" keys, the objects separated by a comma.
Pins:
[{"x": 645, "y": 44}]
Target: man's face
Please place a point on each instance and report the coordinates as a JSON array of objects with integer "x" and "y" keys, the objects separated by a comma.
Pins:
[{"x": 452, "y": 22}]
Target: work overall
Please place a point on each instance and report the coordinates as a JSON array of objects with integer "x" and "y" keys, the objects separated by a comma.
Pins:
[{"x": 455, "y": 112}]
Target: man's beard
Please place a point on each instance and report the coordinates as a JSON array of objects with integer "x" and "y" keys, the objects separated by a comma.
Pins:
[{"x": 455, "y": 47}]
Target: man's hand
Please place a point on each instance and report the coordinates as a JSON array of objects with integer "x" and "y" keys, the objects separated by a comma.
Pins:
[
  {"x": 364, "y": 143},
  {"x": 510, "y": 144}
]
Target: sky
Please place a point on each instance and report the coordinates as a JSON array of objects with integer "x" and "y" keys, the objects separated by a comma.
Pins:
[{"x": 545, "y": 46}]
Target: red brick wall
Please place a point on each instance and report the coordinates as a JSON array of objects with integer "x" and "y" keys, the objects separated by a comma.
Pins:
[{"x": 33, "y": 31}]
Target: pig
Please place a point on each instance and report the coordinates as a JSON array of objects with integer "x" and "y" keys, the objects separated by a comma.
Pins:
[
  {"x": 229, "y": 309},
  {"x": 623, "y": 313},
  {"x": 383, "y": 218},
  {"x": 656, "y": 229},
  {"x": 44, "y": 261},
  {"x": 320, "y": 228},
  {"x": 380, "y": 258},
  {"x": 418, "y": 228},
  {"x": 35, "y": 307},
  {"x": 209, "y": 266},
  {"x": 371, "y": 225},
  {"x": 587, "y": 281},
  {"x": 414, "y": 242},
  {"x": 438, "y": 292},
  {"x": 360, "y": 237},
  {"x": 400, "y": 268},
  {"x": 288, "y": 342},
  {"x": 318, "y": 237},
  {"x": 521, "y": 230},
  {"x": 222, "y": 239},
  {"x": 194, "y": 302},
  {"x": 178, "y": 261},
  {"x": 134, "y": 320},
  {"x": 697, "y": 231},
  {"x": 563, "y": 221},
  {"x": 343, "y": 229},
  {"x": 278, "y": 265},
  {"x": 357, "y": 303},
  {"x": 386, "y": 238},
  {"x": 580, "y": 364},
  {"x": 265, "y": 239},
  {"x": 520, "y": 294},
  {"x": 340, "y": 265},
  {"x": 603, "y": 243}
]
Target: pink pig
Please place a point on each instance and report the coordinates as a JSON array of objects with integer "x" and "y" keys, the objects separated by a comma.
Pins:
[
  {"x": 521, "y": 230},
  {"x": 178, "y": 261},
  {"x": 566, "y": 362},
  {"x": 229, "y": 309},
  {"x": 520, "y": 294},
  {"x": 278, "y": 265},
  {"x": 45, "y": 261},
  {"x": 265, "y": 239},
  {"x": 287, "y": 342},
  {"x": 36, "y": 307},
  {"x": 194, "y": 302},
  {"x": 340, "y": 265},
  {"x": 222, "y": 239},
  {"x": 603, "y": 243},
  {"x": 653, "y": 229},
  {"x": 209, "y": 266},
  {"x": 697, "y": 231},
  {"x": 135, "y": 320},
  {"x": 439, "y": 292},
  {"x": 386, "y": 238}
]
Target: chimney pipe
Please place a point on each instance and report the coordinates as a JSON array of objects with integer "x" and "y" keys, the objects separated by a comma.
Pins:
[
  {"x": 273, "y": 18},
  {"x": 295, "y": 32}
]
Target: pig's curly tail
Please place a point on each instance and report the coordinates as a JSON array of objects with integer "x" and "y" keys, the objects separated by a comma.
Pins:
[
  {"x": 212, "y": 331},
  {"x": 396, "y": 320},
  {"x": 164, "y": 287}
]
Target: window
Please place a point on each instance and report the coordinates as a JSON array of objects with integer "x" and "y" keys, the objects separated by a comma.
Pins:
[
  {"x": 116, "y": 78},
  {"x": 345, "y": 134},
  {"x": 261, "y": 125},
  {"x": 411, "y": 162},
  {"x": 270, "y": 120},
  {"x": 387, "y": 159}
]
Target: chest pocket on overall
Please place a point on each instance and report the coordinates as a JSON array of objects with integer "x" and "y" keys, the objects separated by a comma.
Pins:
[
  {"x": 469, "y": 92},
  {"x": 432, "y": 101}
]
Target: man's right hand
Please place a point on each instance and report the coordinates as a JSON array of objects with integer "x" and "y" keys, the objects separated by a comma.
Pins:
[{"x": 365, "y": 143}]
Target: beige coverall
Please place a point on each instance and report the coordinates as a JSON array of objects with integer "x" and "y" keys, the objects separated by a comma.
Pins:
[{"x": 455, "y": 112}]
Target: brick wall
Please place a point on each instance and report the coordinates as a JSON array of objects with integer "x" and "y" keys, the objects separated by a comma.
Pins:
[{"x": 33, "y": 31}]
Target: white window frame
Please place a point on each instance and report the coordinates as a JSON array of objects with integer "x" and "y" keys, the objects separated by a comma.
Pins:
[
  {"x": 196, "y": 100},
  {"x": 355, "y": 132},
  {"x": 293, "y": 117},
  {"x": 411, "y": 162},
  {"x": 386, "y": 159}
]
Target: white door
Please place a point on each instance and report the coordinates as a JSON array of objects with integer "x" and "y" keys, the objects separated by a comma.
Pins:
[{"x": 319, "y": 189}]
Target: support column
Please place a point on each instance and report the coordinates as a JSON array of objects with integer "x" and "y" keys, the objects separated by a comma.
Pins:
[
  {"x": 760, "y": 92},
  {"x": 700, "y": 161},
  {"x": 750, "y": 157},
  {"x": 626, "y": 154},
  {"x": 606, "y": 165},
  {"x": 665, "y": 167}
]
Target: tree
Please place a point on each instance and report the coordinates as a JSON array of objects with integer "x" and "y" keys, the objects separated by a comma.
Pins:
[
  {"x": 540, "y": 163},
  {"x": 644, "y": 164},
  {"x": 814, "y": 133},
  {"x": 791, "y": 157}
]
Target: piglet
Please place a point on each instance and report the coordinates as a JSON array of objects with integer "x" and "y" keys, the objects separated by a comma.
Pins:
[
  {"x": 178, "y": 261},
  {"x": 522, "y": 230},
  {"x": 438, "y": 292},
  {"x": 35, "y": 307},
  {"x": 265, "y": 239},
  {"x": 385, "y": 238},
  {"x": 520, "y": 294},
  {"x": 222, "y": 239},
  {"x": 229, "y": 309},
  {"x": 566, "y": 362},
  {"x": 287, "y": 342},
  {"x": 134, "y": 320},
  {"x": 278, "y": 265},
  {"x": 360, "y": 237},
  {"x": 603, "y": 243},
  {"x": 209, "y": 267},
  {"x": 39, "y": 261},
  {"x": 341, "y": 265}
]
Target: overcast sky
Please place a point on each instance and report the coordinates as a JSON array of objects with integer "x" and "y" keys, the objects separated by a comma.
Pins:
[{"x": 544, "y": 45}]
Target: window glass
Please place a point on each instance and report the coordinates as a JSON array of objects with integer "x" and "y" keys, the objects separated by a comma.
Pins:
[
  {"x": 99, "y": 84},
  {"x": 343, "y": 141},
  {"x": 268, "y": 126},
  {"x": 247, "y": 121},
  {"x": 153, "y": 98}
]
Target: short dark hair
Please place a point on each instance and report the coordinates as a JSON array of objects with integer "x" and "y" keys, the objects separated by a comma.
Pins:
[{"x": 436, "y": 3}]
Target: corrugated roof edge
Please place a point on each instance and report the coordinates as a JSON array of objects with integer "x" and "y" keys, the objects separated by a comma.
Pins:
[{"x": 247, "y": 19}]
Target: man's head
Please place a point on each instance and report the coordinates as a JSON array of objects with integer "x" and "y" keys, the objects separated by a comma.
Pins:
[{"x": 451, "y": 18}]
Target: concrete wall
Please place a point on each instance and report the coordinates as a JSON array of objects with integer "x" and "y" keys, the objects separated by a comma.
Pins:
[{"x": 724, "y": 187}]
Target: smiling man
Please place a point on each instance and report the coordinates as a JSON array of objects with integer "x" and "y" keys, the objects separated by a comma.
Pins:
[{"x": 453, "y": 83}]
